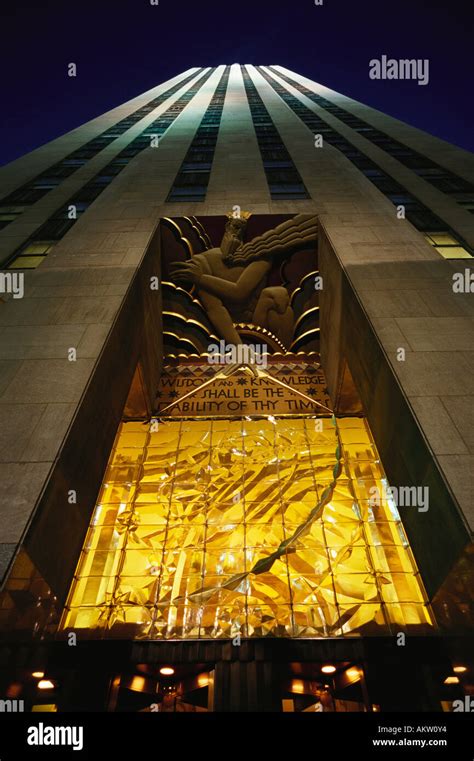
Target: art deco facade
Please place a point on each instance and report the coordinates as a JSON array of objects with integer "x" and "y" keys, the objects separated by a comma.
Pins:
[{"x": 162, "y": 512}]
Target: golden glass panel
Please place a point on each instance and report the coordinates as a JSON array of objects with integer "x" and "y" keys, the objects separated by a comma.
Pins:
[
  {"x": 36, "y": 248},
  {"x": 84, "y": 618},
  {"x": 94, "y": 590},
  {"x": 98, "y": 563},
  {"x": 269, "y": 588},
  {"x": 361, "y": 619},
  {"x": 393, "y": 558},
  {"x": 342, "y": 511},
  {"x": 399, "y": 587},
  {"x": 109, "y": 514},
  {"x": 26, "y": 262},
  {"x": 315, "y": 620},
  {"x": 201, "y": 531},
  {"x": 116, "y": 493},
  {"x": 340, "y": 536},
  {"x": 453, "y": 252},
  {"x": 313, "y": 538},
  {"x": 384, "y": 533},
  {"x": 309, "y": 562},
  {"x": 264, "y": 511},
  {"x": 108, "y": 538},
  {"x": 265, "y": 620},
  {"x": 409, "y": 614}
]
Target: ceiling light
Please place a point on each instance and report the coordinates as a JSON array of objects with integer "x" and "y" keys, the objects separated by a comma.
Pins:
[
  {"x": 138, "y": 684},
  {"x": 38, "y": 674},
  {"x": 45, "y": 684},
  {"x": 459, "y": 669},
  {"x": 353, "y": 673},
  {"x": 167, "y": 671},
  {"x": 328, "y": 669}
]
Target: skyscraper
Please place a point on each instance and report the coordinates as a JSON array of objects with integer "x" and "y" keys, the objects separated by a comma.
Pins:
[{"x": 236, "y": 389}]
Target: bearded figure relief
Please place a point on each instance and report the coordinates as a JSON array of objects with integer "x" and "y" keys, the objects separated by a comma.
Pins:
[{"x": 231, "y": 280}]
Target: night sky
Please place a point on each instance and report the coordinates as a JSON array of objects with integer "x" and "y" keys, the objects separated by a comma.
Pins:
[{"x": 124, "y": 47}]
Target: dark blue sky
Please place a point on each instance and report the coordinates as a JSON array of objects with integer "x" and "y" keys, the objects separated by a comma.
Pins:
[{"x": 123, "y": 47}]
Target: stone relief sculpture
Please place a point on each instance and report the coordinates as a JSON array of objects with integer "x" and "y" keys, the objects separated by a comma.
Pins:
[{"x": 231, "y": 280}]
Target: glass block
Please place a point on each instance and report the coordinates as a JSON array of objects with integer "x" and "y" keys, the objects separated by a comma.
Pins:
[
  {"x": 92, "y": 590},
  {"x": 367, "y": 619},
  {"x": 105, "y": 539},
  {"x": 315, "y": 620},
  {"x": 266, "y": 620},
  {"x": 355, "y": 588},
  {"x": 96, "y": 563},
  {"x": 400, "y": 587},
  {"x": 409, "y": 614}
]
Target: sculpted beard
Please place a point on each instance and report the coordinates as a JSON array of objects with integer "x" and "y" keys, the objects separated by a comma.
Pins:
[{"x": 233, "y": 238}]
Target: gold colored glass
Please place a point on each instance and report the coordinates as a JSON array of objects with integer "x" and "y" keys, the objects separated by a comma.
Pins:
[{"x": 189, "y": 512}]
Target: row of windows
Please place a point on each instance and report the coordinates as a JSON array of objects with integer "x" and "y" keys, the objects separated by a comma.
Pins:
[
  {"x": 283, "y": 178},
  {"x": 415, "y": 211},
  {"x": 32, "y": 252},
  {"x": 20, "y": 199},
  {"x": 447, "y": 182},
  {"x": 193, "y": 177}
]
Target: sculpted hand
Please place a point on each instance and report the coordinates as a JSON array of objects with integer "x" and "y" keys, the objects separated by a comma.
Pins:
[{"x": 187, "y": 272}]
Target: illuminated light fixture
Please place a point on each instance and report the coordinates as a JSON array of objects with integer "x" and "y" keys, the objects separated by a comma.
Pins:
[
  {"x": 459, "y": 669},
  {"x": 353, "y": 673},
  {"x": 45, "y": 684},
  {"x": 297, "y": 685},
  {"x": 328, "y": 669},
  {"x": 203, "y": 680},
  {"x": 38, "y": 674},
  {"x": 138, "y": 684},
  {"x": 167, "y": 671},
  {"x": 451, "y": 680}
]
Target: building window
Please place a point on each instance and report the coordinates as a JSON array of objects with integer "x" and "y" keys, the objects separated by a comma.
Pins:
[
  {"x": 283, "y": 178},
  {"x": 416, "y": 212},
  {"x": 442, "y": 179},
  {"x": 193, "y": 177},
  {"x": 36, "y": 188},
  {"x": 59, "y": 223}
]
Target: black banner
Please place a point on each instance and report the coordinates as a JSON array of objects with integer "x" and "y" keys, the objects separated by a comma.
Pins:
[{"x": 155, "y": 735}]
